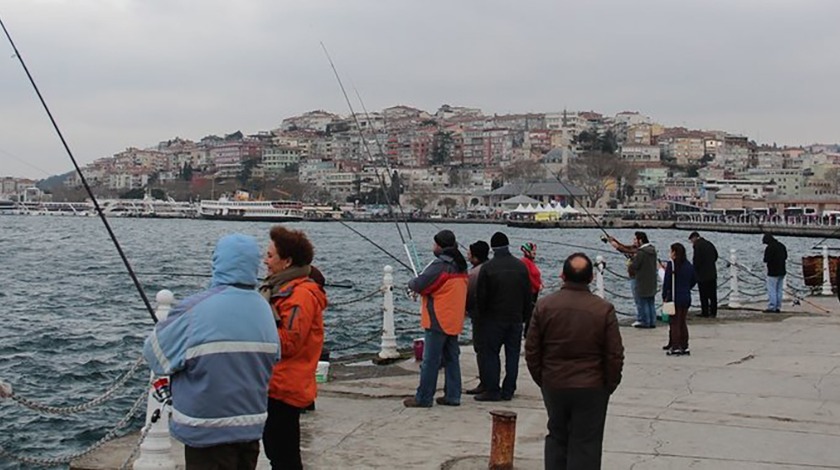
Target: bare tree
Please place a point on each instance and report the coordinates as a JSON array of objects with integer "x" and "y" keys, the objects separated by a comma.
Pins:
[
  {"x": 421, "y": 196},
  {"x": 525, "y": 171},
  {"x": 597, "y": 172}
]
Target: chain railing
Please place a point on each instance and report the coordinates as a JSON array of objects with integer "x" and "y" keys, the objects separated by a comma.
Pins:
[
  {"x": 66, "y": 459},
  {"x": 70, "y": 410}
]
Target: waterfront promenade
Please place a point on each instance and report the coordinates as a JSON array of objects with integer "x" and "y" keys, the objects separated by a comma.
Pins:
[{"x": 760, "y": 391}]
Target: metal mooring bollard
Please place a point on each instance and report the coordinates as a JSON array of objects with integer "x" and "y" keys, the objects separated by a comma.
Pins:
[{"x": 502, "y": 440}]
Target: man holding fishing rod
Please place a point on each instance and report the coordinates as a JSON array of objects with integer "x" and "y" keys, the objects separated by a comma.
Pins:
[{"x": 642, "y": 268}]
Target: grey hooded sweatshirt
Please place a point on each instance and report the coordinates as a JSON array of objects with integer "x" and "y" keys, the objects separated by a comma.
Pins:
[{"x": 645, "y": 265}]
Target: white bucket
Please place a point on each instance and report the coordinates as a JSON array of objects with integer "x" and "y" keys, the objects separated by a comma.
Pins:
[{"x": 322, "y": 372}]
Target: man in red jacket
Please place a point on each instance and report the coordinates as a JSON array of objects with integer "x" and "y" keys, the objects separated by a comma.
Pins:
[{"x": 529, "y": 252}]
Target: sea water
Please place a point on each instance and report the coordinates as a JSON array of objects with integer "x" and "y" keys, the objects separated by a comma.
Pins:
[{"x": 72, "y": 321}]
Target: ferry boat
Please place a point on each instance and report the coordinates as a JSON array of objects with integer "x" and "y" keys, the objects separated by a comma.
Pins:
[{"x": 256, "y": 211}]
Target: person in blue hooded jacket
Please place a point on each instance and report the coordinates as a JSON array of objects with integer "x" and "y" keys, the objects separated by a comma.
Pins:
[{"x": 219, "y": 348}]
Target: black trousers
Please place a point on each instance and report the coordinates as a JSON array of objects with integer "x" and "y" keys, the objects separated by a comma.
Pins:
[
  {"x": 708, "y": 297},
  {"x": 494, "y": 336},
  {"x": 237, "y": 456},
  {"x": 281, "y": 436},
  {"x": 575, "y": 428}
]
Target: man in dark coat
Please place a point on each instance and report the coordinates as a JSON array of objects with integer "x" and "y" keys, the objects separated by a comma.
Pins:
[
  {"x": 705, "y": 270},
  {"x": 575, "y": 355},
  {"x": 503, "y": 294},
  {"x": 775, "y": 256}
]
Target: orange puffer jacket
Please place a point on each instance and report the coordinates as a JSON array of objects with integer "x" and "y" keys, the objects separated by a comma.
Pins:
[{"x": 299, "y": 309}]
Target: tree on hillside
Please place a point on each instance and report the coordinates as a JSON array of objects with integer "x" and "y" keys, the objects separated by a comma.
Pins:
[
  {"x": 594, "y": 142},
  {"x": 524, "y": 171},
  {"x": 448, "y": 203},
  {"x": 441, "y": 148},
  {"x": 597, "y": 172},
  {"x": 421, "y": 196}
]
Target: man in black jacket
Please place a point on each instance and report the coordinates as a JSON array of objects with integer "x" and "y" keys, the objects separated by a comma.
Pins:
[
  {"x": 705, "y": 270},
  {"x": 503, "y": 294},
  {"x": 775, "y": 256}
]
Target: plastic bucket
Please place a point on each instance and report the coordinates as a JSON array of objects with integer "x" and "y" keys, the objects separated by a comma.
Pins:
[
  {"x": 322, "y": 372},
  {"x": 419, "y": 343}
]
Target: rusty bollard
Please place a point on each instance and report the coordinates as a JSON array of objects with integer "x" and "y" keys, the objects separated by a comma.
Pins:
[{"x": 502, "y": 440}]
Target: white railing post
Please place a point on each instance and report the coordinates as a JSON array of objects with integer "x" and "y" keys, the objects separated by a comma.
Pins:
[
  {"x": 389, "y": 338},
  {"x": 599, "y": 276},
  {"x": 826, "y": 287},
  {"x": 156, "y": 450},
  {"x": 734, "y": 295}
]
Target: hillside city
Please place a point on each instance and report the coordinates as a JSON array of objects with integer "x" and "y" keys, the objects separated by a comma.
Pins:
[{"x": 458, "y": 160}]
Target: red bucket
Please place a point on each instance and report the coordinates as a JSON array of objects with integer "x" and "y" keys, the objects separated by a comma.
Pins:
[{"x": 419, "y": 343}]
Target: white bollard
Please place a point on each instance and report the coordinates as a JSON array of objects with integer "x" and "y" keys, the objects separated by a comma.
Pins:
[
  {"x": 389, "y": 338},
  {"x": 734, "y": 296},
  {"x": 600, "y": 265},
  {"x": 826, "y": 287},
  {"x": 156, "y": 449}
]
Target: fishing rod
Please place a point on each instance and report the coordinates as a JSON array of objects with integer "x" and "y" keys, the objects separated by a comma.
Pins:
[
  {"x": 385, "y": 162},
  {"x": 582, "y": 206},
  {"x": 340, "y": 285},
  {"x": 411, "y": 252},
  {"x": 81, "y": 176}
]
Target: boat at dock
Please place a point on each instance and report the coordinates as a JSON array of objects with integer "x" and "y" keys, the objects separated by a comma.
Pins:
[{"x": 254, "y": 211}]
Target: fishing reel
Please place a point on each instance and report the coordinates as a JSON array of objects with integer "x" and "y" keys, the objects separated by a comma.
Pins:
[
  {"x": 605, "y": 239},
  {"x": 163, "y": 392},
  {"x": 410, "y": 294}
]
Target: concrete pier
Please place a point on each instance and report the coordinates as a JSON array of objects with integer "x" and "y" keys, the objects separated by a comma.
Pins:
[{"x": 759, "y": 391}]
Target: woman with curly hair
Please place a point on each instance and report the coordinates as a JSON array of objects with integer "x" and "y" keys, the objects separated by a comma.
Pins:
[{"x": 294, "y": 289}]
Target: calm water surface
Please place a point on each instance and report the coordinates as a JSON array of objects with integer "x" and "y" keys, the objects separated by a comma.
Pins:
[{"x": 73, "y": 321}]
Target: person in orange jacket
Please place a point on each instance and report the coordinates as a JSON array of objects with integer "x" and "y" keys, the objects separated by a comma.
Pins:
[
  {"x": 529, "y": 252},
  {"x": 443, "y": 288},
  {"x": 298, "y": 302}
]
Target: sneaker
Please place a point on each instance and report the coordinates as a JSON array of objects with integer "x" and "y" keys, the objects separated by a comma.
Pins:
[
  {"x": 666, "y": 347},
  {"x": 411, "y": 402},
  {"x": 507, "y": 397},
  {"x": 487, "y": 396},
  {"x": 638, "y": 324},
  {"x": 674, "y": 352},
  {"x": 443, "y": 401}
]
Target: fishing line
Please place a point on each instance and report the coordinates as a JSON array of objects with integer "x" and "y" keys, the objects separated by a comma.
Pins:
[
  {"x": 341, "y": 285},
  {"x": 386, "y": 163},
  {"x": 410, "y": 252},
  {"x": 81, "y": 177},
  {"x": 572, "y": 196}
]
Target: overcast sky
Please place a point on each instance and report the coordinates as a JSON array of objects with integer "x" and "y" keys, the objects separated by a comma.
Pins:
[{"x": 120, "y": 73}]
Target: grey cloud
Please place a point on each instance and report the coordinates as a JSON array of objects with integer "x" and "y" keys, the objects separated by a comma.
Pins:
[{"x": 133, "y": 72}]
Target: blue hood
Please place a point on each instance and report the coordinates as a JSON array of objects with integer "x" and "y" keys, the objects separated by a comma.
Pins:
[{"x": 236, "y": 261}]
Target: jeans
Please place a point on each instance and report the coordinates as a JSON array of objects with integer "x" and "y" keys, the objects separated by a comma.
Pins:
[
  {"x": 496, "y": 334},
  {"x": 647, "y": 314},
  {"x": 774, "y": 292},
  {"x": 439, "y": 348},
  {"x": 636, "y": 300},
  {"x": 576, "y": 420}
]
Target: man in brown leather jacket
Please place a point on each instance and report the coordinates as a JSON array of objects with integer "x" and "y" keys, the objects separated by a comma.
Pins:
[{"x": 575, "y": 354}]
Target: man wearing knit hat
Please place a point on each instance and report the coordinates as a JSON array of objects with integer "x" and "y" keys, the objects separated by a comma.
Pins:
[
  {"x": 443, "y": 290},
  {"x": 504, "y": 295}
]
